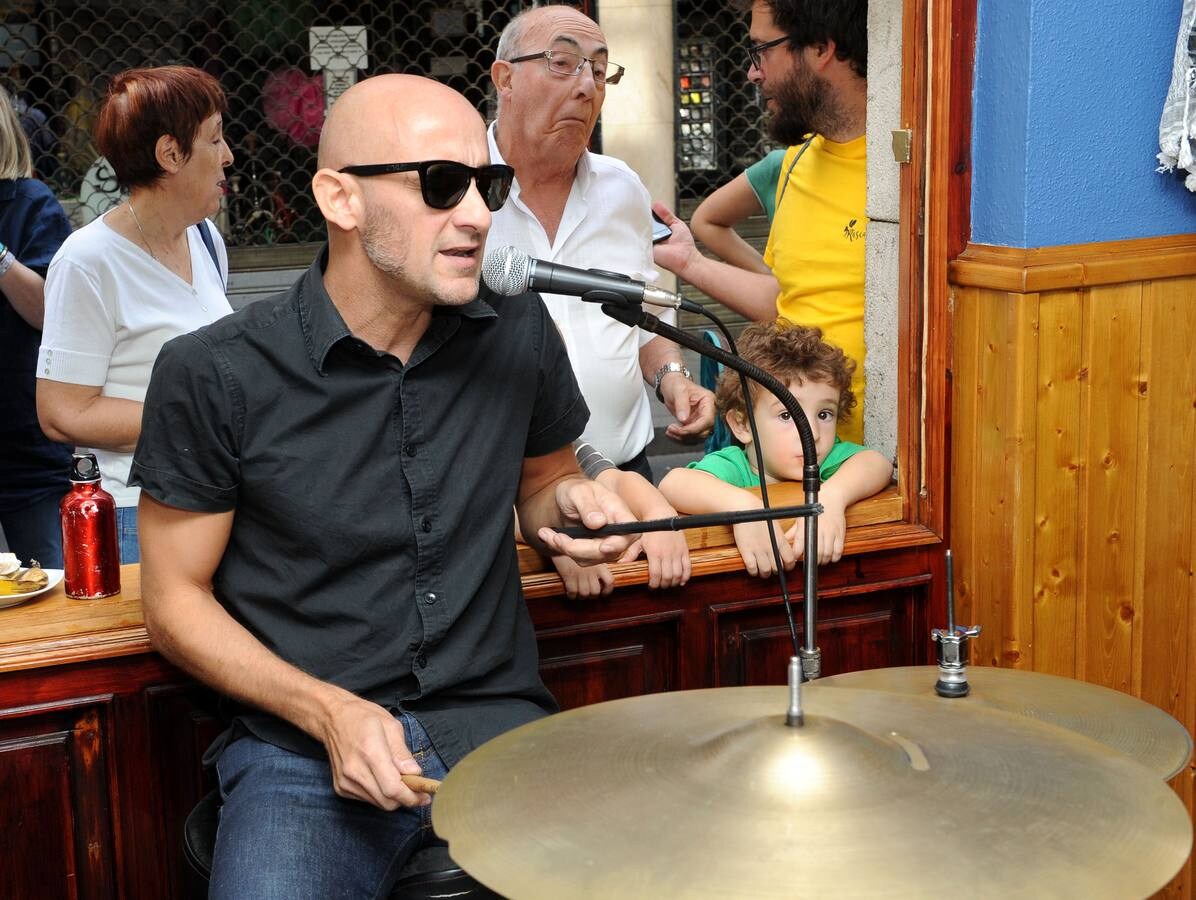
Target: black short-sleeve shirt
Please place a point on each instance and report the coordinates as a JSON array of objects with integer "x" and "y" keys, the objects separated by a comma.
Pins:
[{"x": 371, "y": 544}]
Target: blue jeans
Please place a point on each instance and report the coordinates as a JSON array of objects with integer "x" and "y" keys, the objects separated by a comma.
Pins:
[
  {"x": 35, "y": 532},
  {"x": 284, "y": 832},
  {"x": 126, "y": 534}
]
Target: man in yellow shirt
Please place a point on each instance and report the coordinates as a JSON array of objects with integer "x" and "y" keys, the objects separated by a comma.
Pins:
[{"x": 809, "y": 59}]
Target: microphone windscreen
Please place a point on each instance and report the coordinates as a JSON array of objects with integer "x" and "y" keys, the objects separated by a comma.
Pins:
[{"x": 506, "y": 271}]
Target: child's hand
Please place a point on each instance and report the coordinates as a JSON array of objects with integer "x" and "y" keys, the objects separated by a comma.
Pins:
[
  {"x": 832, "y": 531},
  {"x": 751, "y": 538},
  {"x": 668, "y": 558},
  {"x": 587, "y": 582}
]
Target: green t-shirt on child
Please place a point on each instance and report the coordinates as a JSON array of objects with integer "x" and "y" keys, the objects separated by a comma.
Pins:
[{"x": 731, "y": 464}]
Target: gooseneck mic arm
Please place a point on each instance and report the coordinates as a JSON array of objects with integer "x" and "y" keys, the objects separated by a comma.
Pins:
[{"x": 617, "y": 307}]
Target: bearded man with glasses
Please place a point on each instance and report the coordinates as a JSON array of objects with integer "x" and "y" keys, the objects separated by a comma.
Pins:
[
  {"x": 328, "y": 483},
  {"x": 809, "y": 59}
]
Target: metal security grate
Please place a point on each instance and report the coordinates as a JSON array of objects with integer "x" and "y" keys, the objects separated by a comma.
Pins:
[
  {"x": 719, "y": 131},
  {"x": 56, "y": 57},
  {"x": 719, "y": 121}
]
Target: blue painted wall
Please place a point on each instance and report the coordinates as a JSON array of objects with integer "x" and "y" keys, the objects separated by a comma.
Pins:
[{"x": 1066, "y": 110}]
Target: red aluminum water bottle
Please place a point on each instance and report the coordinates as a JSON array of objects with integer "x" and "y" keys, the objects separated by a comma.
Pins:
[{"x": 90, "y": 552}]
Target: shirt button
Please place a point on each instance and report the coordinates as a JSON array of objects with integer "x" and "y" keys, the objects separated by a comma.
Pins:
[
  {"x": 429, "y": 598},
  {"x": 421, "y": 661},
  {"x": 409, "y": 449},
  {"x": 426, "y": 525}
]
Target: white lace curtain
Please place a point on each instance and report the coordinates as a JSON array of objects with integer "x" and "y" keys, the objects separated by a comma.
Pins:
[{"x": 1177, "y": 128}]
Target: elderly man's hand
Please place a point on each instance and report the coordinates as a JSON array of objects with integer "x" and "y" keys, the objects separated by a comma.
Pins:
[
  {"x": 587, "y": 502},
  {"x": 678, "y": 251},
  {"x": 691, "y": 405}
]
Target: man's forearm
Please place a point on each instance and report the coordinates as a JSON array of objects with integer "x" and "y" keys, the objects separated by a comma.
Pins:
[
  {"x": 750, "y": 294},
  {"x": 190, "y": 628},
  {"x": 657, "y": 352},
  {"x": 26, "y": 291},
  {"x": 541, "y": 510}
]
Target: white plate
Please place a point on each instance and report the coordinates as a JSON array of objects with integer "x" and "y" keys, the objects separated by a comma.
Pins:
[{"x": 14, "y": 599}]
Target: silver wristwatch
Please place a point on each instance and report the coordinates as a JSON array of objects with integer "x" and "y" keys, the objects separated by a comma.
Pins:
[{"x": 665, "y": 370}]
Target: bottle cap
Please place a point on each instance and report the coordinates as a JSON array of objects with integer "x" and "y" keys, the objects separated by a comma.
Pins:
[{"x": 84, "y": 469}]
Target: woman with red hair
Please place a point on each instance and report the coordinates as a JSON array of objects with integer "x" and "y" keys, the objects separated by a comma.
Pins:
[{"x": 149, "y": 270}]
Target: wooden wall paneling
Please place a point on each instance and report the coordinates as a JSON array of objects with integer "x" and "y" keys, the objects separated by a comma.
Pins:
[
  {"x": 1163, "y": 524},
  {"x": 1112, "y": 330},
  {"x": 857, "y": 631},
  {"x": 1003, "y": 321},
  {"x": 596, "y": 662},
  {"x": 1057, "y": 480},
  {"x": 1018, "y": 475},
  {"x": 181, "y": 722},
  {"x": 964, "y": 422},
  {"x": 56, "y": 806}
]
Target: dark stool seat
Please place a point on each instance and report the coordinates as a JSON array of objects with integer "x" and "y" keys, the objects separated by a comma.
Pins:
[{"x": 430, "y": 872}]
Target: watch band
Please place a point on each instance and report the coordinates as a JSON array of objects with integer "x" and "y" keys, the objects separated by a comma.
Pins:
[
  {"x": 665, "y": 370},
  {"x": 6, "y": 260}
]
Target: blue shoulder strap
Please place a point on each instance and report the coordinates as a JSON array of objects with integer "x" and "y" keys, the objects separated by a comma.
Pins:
[
  {"x": 206, "y": 236},
  {"x": 708, "y": 373}
]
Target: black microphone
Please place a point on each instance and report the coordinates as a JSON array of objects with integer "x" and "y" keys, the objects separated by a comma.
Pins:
[{"x": 509, "y": 271}]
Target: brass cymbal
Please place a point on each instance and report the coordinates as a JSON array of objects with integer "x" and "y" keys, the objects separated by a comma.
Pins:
[
  {"x": 709, "y": 793},
  {"x": 1127, "y": 724}
]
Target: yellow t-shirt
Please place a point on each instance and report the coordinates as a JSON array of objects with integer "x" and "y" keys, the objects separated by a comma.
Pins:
[{"x": 816, "y": 250}]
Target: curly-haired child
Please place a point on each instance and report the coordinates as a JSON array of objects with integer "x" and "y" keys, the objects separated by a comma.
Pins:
[{"x": 818, "y": 374}]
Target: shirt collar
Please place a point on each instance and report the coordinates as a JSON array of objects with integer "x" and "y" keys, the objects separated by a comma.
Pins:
[
  {"x": 319, "y": 318},
  {"x": 322, "y": 324}
]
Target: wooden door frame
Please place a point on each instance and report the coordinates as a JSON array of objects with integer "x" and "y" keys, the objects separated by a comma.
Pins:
[{"x": 938, "y": 50}]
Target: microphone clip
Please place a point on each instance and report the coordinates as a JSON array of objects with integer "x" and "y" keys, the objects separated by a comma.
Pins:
[{"x": 609, "y": 298}]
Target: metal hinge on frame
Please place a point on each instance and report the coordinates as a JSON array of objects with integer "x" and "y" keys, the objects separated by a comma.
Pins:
[{"x": 903, "y": 144}]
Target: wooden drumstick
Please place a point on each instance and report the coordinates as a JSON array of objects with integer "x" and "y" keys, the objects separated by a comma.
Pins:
[{"x": 421, "y": 784}]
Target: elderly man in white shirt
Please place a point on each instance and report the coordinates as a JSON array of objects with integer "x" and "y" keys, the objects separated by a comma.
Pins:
[{"x": 584, "y": 210}]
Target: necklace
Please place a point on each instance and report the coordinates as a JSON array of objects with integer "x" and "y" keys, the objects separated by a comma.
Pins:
[{"x": 144, "y": 239}]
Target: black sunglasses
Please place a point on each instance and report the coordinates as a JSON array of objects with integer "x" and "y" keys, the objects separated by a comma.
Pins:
[
  {"x": 444, "y": 183},
  {"x": 755, "y": 51}
]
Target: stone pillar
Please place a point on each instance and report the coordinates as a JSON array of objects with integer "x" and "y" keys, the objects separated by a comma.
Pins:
[{"x": 637, "y": 116}]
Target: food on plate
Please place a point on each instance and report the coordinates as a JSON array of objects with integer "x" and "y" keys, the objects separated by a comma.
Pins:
[{"x": 17, "y": 580}]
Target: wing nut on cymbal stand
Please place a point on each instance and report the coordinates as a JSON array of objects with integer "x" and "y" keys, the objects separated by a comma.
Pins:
[{"x": 952, "y": 646}]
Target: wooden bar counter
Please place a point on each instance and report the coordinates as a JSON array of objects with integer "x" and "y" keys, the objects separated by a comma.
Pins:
[{"x": 101, "y": 739}]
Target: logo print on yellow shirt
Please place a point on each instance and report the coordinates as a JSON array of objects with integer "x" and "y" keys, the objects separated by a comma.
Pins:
[{"x": 851, "y": 232}]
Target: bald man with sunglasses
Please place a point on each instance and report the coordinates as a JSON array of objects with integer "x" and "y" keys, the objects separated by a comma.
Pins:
[{"x": 328, "y": 479}]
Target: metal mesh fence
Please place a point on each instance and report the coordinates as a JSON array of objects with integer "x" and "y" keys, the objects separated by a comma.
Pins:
[
  {"x": 719, "y": 129},
  {"x": 719, "y": 125},
  {"x": 56, "y": 57}
]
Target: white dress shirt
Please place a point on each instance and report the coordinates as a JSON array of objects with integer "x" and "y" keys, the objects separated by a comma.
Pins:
[{"x": 607, "y": 225}]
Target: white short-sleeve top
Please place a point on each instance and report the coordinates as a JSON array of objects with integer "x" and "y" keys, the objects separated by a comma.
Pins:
[{"x": 110, "y": 307}]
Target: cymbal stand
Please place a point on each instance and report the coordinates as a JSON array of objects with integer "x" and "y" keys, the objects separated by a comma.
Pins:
[
  {"x": 794, "y": 717},
  {"x": 615, "y": 306},
  {"x": 952, "y": 645}
]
